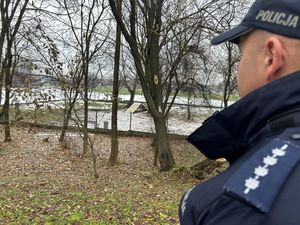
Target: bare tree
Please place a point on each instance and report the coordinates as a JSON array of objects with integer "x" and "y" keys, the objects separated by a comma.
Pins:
[
  {"x": 160, "y": 34},
  {"x": 228, "y": 54},
  {"x": 69, "y": 81},
  {"x": 81, "y": 31},
  {"x": 11, "y": 18},
  {"x": 229, "y": 71},
  {"x": 148, "y": 68},
  {"x": 84, "y": 35}
]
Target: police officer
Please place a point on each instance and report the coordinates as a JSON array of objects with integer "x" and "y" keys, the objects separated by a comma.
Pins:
[{"x": 260, "y": 134}]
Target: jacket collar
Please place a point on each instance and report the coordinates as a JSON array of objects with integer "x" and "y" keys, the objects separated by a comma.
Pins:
[{"x": 229, "y": 133}]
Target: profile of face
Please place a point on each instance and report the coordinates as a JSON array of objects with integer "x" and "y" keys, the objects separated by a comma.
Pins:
[
  {"x": 265, "y": 57},
  {"x": 249, "y": 74}
]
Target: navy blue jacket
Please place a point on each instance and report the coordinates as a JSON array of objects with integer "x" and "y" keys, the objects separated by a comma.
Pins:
[{"x": 260, "y": 137}]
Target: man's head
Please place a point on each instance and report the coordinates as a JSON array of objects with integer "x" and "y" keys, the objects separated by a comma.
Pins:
[{"x": 269, "y": 39}]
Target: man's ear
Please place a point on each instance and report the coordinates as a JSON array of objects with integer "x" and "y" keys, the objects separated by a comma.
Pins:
[{"x": 275, "y": 58}]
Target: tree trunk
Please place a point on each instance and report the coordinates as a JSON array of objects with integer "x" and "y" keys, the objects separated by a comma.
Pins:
[
  {"x": 8, "y": 81},
  {"x": 67, "y": 117},
  {"x": 7, "y": 136},
  {"x": 3, "y": 31},
  {"x": 189, "y": 106},
  {"x": 229, "y": 75},
  {"x": 1, "y": 86},
  {"x": 164, "y": 153},
  {"x": 132, "y": 93},
  {"x": 114, "y": 115},
  {"x": 86, "y": 105},
  {"x": 65, "y": 124}
]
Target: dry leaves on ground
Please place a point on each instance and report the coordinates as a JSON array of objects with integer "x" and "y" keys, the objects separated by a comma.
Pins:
[{"x": 43, "y": 182}]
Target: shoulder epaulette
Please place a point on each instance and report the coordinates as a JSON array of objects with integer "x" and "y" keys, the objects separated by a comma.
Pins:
[{"x": 261, "y": 177}]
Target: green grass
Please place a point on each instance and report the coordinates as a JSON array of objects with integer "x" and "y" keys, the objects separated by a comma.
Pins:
[
  {"x": 145, "y": 203},
  {"x": 40, "y": 116}
]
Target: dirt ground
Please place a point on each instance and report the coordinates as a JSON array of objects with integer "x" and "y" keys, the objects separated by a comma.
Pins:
[{"x": 43, "y": 182}]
